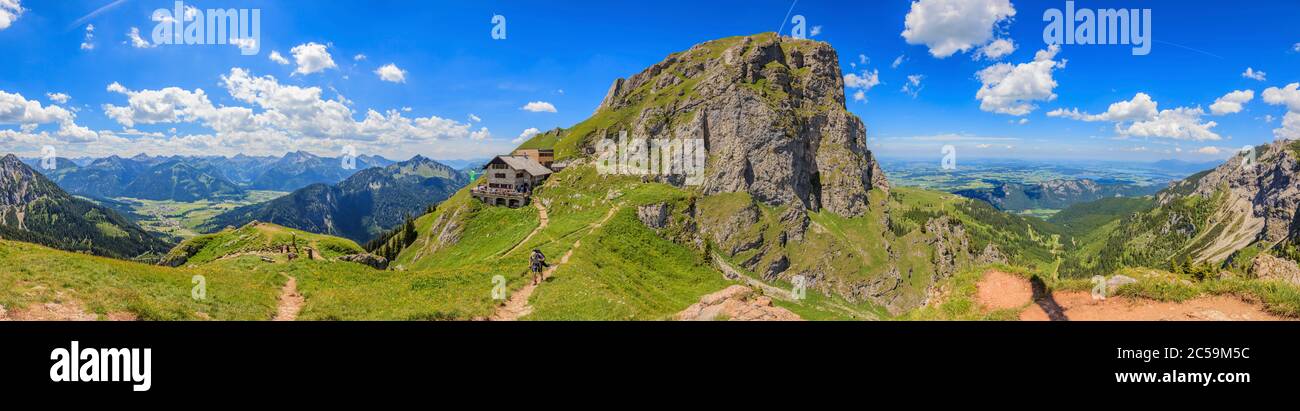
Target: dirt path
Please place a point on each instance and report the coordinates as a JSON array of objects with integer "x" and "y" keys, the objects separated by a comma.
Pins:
[
  {"x": 290, "y": 302},
  {"x": 517, "y": 305},
  {"x": 999, "y": 290},
  {"x": 544, "y": 220}
]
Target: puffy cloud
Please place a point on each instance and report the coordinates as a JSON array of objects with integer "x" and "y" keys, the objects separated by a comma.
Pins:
[
  {"x": 1181, "y": 123},
  {"x": 1232, "y": 102},
  {"x": 16, "y": 109},
  {"x": 10, "y": 11},
  {"x": 865, "y": 81},
  {"x": 278, "y": 59},
  {"x": 133, "y": 36},
  {"x": 539, "y": 107},
  {"x": 1141, "y": 107},
  {"x": 285, "y": 118},
  {"x": 474, "y": 118},
  {"x": 1141, "y": 117},
  {"x": 1288, "y": 96},
  {"x": 312, "y": 58},
  {"x": 898, "y": 61},
  {"x": 30, "y": 114},
  {"x": 1013, "y": 89},
  {"x": 359, "y": 57},
  {"x": 996, "y": 50},
  {"x": 913, "y": 85},
  {"x": 60, "y": 98},
  {"x": 815, "y": 31},
  {"x": 1290, "y": 129},
  {"x": 527, "y": 134},
  {"x": 88, "y": 43},
  {"x": 1212, "y": 150},
  {"x": 1254, "y": 75},
  {"x": 391, "y": 73},
  {"x": 862, "y": 83},
  {"x": 951, "y": 26}
]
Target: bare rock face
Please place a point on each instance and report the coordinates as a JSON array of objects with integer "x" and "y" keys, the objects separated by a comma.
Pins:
[
  {"x": 654, "y": 215},
  {"x": 374, "y": 261},
  {"x": 1267, "y": 267},
  {"x": 771, "y": 112},
  {"x": 1257, "y": 202},
  {"x": 736, "y": 303}
]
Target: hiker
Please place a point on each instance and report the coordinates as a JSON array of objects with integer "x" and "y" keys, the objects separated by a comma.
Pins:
[{"x": 538, "y": 263}]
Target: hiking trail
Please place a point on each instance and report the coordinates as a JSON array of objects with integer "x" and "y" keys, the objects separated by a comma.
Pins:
[
  {"x": 517, "y": 305},
  {"x": 290, "y": 301}
]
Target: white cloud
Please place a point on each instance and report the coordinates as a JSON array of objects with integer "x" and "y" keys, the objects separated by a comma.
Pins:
[
  {"x": 1290, "y": 129},
  {"x": 60, "y": 98},
  {"x": 10, "y": 11},
  {"x": 951, "y": 26},
  {"x": 312, "y": 58},
  {"x": 1013, "y": 89},
  {"x": 359, "y": 57},
  {"x": 89, "y": 42},
  {"x": 391, "y": 73},
  {"x": 527, "y": 134},
  {"x": 898, "y": 61},
  {"x": 1181, "y": 123},
  {"x": 1232, "y": 102},
  {"x": 136, "y": 41},
  {"x": 861, "y": 82},
  {"x": 1023, "y": 121},
  {"x": 283, "y": 118},
  {"x": 278, "y": 59},
  {"x": 539, "y": 107},
  {"x": 862, "y": 58},
  {"x": 1211, "y": 150},
  {"x": 1141, "y": 117},
  {"x": 865, "y": 81},
  {"x": 1288, "y": 96},
  {"x": 474, "y": 118},
  {"x": 815, "y": 31},
  {"x": 1141, "y": 107},
  {"x": 996, "y": 50},
  {"x": 31, "y": 114},
  {"x": 913, "y": 86},
  {"x": 1254, "y": 75},
  {"x": 1296, "y": 48}
]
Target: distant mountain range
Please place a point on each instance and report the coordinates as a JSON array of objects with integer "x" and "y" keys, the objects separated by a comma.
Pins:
[
  {"x": 182, "y": 178},
  {"x": 34, "y": 209},
  {"x": 1053, "y": 194},
  {"x": 358, "y": 208}
]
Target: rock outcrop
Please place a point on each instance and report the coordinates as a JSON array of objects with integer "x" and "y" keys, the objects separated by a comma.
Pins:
[
  {"x": 736, "y": 303},
  {"x": 771, "y": 113},
  {"x": 374, "y": 261},
  {"x": 1268, "y": 267}
]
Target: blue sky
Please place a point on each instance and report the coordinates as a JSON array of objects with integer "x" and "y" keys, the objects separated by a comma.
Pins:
[{"x": 125, "y": 96}]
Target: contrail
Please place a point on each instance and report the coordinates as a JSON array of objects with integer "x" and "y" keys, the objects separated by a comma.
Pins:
[
  {"x": 787, "y": 18},
  {"x": 1189, "y": 48},
  {"x": 92, "y": 14}
]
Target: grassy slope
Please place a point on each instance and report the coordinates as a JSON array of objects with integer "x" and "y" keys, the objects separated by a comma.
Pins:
[
  {"x": 253, "y": 238},
  {"x": 31, "y": 274}
]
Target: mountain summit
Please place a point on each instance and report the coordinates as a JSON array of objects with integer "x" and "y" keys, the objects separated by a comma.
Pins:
[
  {"x": 771, "y": 113},
  {"x": 34, "y": 209}
]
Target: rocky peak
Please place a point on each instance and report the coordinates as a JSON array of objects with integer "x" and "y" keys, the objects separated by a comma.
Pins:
[
  {"x": 771, "y": 112},
  {"x": 20, "y": 184}
]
